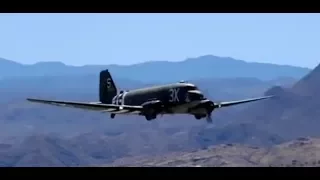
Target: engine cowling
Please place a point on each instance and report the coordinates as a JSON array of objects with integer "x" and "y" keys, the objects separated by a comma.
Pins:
[
  {"x": 204, "y": 107},
  {"x": 195, "y": 95},
  {"x": 209, "y": 105}
]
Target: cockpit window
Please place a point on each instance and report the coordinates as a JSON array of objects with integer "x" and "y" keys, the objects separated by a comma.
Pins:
[{"x": 191, "y": 87}]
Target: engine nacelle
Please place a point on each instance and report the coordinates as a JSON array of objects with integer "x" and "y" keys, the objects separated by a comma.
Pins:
[
  {"x": 152, "y": 107},
  {"x": 203, "y": 107},
  {"x": 209, "y": 105}
]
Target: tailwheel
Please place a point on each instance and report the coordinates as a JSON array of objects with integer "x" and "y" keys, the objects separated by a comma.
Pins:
[{"x": 112, "y": 116}]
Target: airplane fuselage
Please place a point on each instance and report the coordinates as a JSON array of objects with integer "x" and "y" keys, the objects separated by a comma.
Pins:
[{"x": 177, "y": 98}]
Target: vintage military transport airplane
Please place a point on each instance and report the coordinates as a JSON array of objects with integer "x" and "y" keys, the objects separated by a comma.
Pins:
[{"x": 176, "y": 98}]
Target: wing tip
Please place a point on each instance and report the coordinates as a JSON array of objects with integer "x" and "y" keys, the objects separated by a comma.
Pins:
[
  {"x": 33, "y": 100},
  {"x": 30, "y": 99}
]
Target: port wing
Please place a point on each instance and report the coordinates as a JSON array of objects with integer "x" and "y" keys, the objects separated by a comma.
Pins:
[{"x": 95, "y": 106}]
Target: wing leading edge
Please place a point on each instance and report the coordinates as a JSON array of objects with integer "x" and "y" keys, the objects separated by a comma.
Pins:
[
  {"x": 95, "y": 106},
  {"x": 231, "y": 103}
]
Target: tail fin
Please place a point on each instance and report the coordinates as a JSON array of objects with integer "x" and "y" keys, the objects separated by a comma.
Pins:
[{"x": 107, "y": 87}]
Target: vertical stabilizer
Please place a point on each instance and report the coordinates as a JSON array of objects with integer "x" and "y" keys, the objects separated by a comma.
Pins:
[{"x": 107, "y": 87}]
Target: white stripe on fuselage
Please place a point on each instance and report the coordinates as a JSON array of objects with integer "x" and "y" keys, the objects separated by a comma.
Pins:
[{"x": 123, "y": 98}]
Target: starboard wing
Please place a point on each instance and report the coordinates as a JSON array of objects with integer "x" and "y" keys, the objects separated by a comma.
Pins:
[{"x": 232, "y": 103}]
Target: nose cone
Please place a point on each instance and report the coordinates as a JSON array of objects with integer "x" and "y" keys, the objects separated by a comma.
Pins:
[{"x": 195, "y": 95}]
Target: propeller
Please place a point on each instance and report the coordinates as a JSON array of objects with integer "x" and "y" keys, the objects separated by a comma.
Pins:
[
  {"x": 209, "y": 112},
  {"x": 209, "y": 118}
]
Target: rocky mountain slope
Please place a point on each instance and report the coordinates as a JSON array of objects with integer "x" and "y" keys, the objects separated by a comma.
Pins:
[
  {"x": 296, "y": 153},
  {"x": 293, "y": 113}
]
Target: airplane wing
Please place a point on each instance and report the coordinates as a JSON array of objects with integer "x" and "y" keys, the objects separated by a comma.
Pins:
[
  {"x": 231, "y": 103},
  {"x": 95, "y": 106}
]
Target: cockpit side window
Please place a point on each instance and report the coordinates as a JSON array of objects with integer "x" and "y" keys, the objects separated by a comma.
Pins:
[{"x": 192, "y": 88}]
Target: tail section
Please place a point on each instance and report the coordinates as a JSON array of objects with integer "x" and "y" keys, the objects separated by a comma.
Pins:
[{"x": 107, "y": 87}]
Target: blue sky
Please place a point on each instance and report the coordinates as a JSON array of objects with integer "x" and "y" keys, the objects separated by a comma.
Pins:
[{"x": 79, "y": 39}]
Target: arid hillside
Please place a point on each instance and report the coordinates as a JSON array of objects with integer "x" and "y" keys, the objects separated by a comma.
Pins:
[{"x": 300, "y": 152}]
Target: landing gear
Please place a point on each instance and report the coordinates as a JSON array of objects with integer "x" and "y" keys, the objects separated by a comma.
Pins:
[
  {"x": 198, "y": 117},
  {"x": 112, "y": 116},
  {"x": 151, "y": 117},
  {"x": 207, "y": 116}
]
